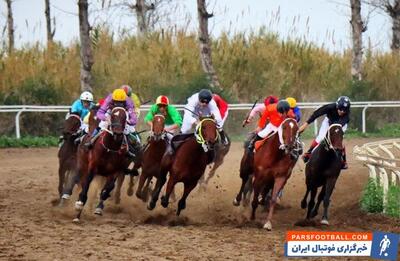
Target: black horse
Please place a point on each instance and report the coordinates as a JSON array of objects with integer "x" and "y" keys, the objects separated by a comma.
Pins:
[{"x": 323, "y": 169}]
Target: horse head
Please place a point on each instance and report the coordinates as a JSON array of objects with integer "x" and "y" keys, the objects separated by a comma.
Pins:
[
  {"x": 334, "y": 138},
  {"x": 206, "y": 132},
  {"x": 289, "y": 133},
  {"x": 118, "y": 120},
  {"x": 71, "y": 125},
  {"x": 157, "y": 130}
]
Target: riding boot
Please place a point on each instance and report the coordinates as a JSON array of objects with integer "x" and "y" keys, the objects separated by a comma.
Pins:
[
  {"x": 253, "y": 142},
  {"x": 307, "y": 155},
  {"x": 223, "y": 137},
  {"x": 96, "y": 133},
  {"x": 344, "y": 161}
]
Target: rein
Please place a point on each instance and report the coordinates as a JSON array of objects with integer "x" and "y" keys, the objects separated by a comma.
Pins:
[
  {"x": 328, "y": 137},
  {"x": 123, "y": 148},
  {"x": 199, "y": 136}
]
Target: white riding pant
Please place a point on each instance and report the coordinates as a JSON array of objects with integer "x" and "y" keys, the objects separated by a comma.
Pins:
[
  {"x": 267, "y": 130},
  {"x": 128, "y": 128},
  {"x": 324, "y": 129},
  {"x": 223, "y": 120},
  {"x": 187, "y": 123}
]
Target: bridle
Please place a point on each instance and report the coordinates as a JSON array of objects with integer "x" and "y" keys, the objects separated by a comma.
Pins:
[
  {"x": 327, "y": 138},
  {"x": 199, "y": 136}
]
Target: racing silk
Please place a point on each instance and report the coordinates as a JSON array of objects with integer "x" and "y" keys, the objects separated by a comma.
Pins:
[
  {"x": 297, "y": 113},
  {"x": 130, "y": 108},
  {"x": 257, "y": 110},
  {"x": 272, "y": 115},
  {"x": 78, "y": 108},
  {"x": 172, "y": 117},
  {"x": 221, "y": 104},
  {"x": 331, "y": 113},
  {"x": 211, "y": 109}
]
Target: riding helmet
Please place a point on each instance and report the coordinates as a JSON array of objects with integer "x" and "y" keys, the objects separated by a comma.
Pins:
[
  {"x": 119, "y": 95},
  {"x": 162, "y": 100},
  {"x": 86, "y": 96},
  {"x": 283, "y": 106},
  {"x": 205, "y": 95},
  {"x": 343, "y": 103},
  {"x": 270, "y": 100},
  {"x": 292, "y": 102}
]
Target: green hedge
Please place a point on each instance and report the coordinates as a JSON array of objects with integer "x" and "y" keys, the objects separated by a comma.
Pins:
[{"x": 28, "y": 141}]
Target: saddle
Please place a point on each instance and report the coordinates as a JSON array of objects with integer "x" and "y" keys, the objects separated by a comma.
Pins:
[{"x": 179, "y": 139}]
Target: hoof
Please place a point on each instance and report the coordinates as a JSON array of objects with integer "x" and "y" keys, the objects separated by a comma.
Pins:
[
  {"x": 98, "y": 211},
  {"x": 314, "y": 214},
  {"x": 65, "y": 196},
  {"x": 130, "y": 192},
  {"x": 325, "y": 222},
  {"x": 78, "y": 205},
  {"x": 235, "y": 202},
  {"x": 151, "y": 205},
  {"x": 76, "y": 220},
  {"x": 303, "y": 204},
  {"x": 268, "y": 226}
]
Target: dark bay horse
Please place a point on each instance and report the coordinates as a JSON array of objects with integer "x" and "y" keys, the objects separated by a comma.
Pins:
[
  {"x": 107, "y": 158},
  {"x": 273, "y": 164},
  {"x": 189, "y": 163},
  {"x": 323, "y": 169},
  {"x": 67, "y": 152},
  {"x": 155, "y": 149}
]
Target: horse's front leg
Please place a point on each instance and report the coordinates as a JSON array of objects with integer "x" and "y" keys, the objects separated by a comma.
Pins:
[
  {"x": 61, "y": 177},
  {"x": 142, "y": 179},
  {"x": 105, "y": 192},
  {"x": 156, "y": 193},
  {"x": 120, "y": 181},
  {"x": 321, "y": 196},
  {"x": 85, "y": 183},
  {"x": 236, "y": 201},
  {"x": 182, "y": 202},
  {"x": 278, "y": 185},
  {"x": 330, "y": 185}
]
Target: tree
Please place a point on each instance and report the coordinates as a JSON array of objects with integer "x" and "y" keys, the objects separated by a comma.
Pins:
[
  {"x": 205, "y": 45},
  {"x": 392, "y": 8},
  {"x": 358, "y": 28},
  {"x": 50, "y": 31},
  {"x": 86, "y": 48},
  {"x": 10, "y": 26}
]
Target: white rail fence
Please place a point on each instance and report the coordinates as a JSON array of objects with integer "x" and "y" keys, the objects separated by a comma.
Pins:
[
  {"x": 19, "y": 109},
  {"x": 383, "y": 162}
]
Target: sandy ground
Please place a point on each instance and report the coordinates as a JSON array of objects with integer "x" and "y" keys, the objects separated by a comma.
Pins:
[{"x": 209, "y": 228}]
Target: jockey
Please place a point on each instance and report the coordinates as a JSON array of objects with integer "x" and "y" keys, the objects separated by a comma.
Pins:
[
  {"x": 81, "y": 108},
  {"x": 134, "y": 97},
  {"x": 293, "y": 106},
  {"x": 276, "y": 114},
  {"x": 337, "y": 112},
  {"x": 118, "y": 98},
  {"x": 173, "y": 119},
  {"x": 260, "y": 108},
  {"x": 202, "y": 104},
  {"x": 223, "y": 110}
]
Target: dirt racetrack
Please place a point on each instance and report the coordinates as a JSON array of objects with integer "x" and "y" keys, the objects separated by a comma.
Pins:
[{"x": 209, "y": 228}]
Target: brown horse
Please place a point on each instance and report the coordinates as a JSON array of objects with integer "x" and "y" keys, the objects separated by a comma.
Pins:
[
  {"x": 155, "y": 149},
  {"x": 190, "y": 161},
  {"x": 107, "y": 158},
  {"x": 67, "y": 153},
  {"x": 323, "y": 169},
  {"x": 273, "y": 164}
]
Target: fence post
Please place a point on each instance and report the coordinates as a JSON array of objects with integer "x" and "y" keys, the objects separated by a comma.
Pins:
[
  {"x": 363, "y": 117},
  {"x": 17, "y": 128}
]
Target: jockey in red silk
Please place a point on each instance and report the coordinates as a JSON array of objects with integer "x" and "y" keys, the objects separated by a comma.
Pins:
[{"x": 336, "y": 112}]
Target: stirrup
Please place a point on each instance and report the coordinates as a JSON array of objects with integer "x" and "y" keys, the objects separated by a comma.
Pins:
[{"x": 306, "y": 157}]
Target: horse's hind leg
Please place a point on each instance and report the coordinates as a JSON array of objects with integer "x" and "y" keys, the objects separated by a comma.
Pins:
[
  {"x": 130, "y": 186},
  {"x": 156, "y": 193},
  {"x": 304, "y": 201},
  {"x": 105, "y": 193},
  {"x": 278, "y": 185},
  {"x": 248, "y": 189},
  {"x": 61, "y": 178},
  {"x": 236, "y": 201},
  {"x": 330, "y": 185},
  {"x": 170, "y": 187},
  {"x": 182, "y": 202},
  {"x": 257, "y": 188},
  {"x": 139, "y": 190},
  {"x": 120, "y": 181},
  {"x": 321, "y": 196},
  {"x": 147, "y": 189},
  {"x": 85, "y": 183}
]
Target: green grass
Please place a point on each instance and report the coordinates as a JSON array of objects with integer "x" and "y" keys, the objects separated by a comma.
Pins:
[
  {"x": 372, "y": 197},
  {"x": 27, "y": 141},
  {"x": 393, "y": 201}
]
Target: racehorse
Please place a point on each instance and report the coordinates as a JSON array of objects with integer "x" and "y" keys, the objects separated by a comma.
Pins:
[
  {"x": 107, "y": 158},
  {"x": 67, "y": 152},
  {"x": 155, "y": 149},
  {"x": 273, "y": 164},
  {"x": 189, "y": 163},
  {"x": 323, "y": 169},
  {"x": 221, "y": 150}
]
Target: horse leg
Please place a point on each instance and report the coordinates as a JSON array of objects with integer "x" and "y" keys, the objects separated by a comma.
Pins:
[
  {"x": 257, "y": 185},
  {"x": 248, "y": 189},
  {"x": 130, "y": 186},
  {"x": 311, "y": 203},
  {"x": 105, "y": 193},
  {"x": 330, "y": 185},
  {"x": 236, "y": 201},
  {"x": 71, "y": 180},
  {"x": 321, "y": 196},
  {"x": 278, "y": 185},
  {"x": 147, "y": 189},
  {"x": 182, "y": 202},
  {"x": 156, "y": 193},
  {"x": 304, "y": 201},
  {"x": 170, "y": 187},
  {"x": 85, "y": 183},
  {"x": 120, "y": 181},
  {"x": 61, "y": 178},
  {"x": 139, "y": 190}
]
